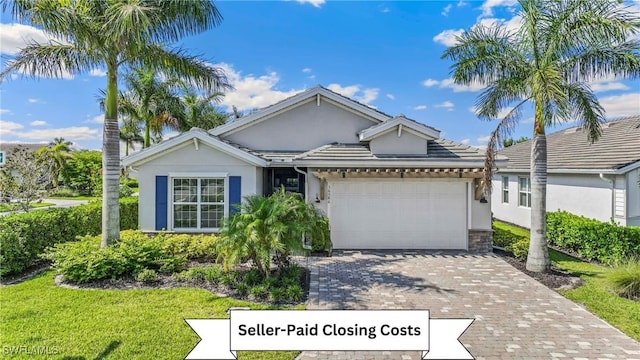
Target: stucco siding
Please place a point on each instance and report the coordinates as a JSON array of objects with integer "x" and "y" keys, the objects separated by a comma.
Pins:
[
  {"x": 585, "y": 195},
  {"x": 392, "y": 144},
  {"x": 480, "y": 214},
  {"x": 304, "y": 127},
  {"x": 186, "y": 159},
  {"x": 633, "y": 197}
]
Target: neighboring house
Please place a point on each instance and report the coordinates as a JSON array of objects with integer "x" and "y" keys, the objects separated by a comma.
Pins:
[
  {"x": 384, "y": 182},
  {"x": 599, "y": 180}
]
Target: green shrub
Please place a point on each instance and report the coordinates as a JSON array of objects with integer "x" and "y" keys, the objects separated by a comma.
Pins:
[
  {"x": 147, "y": 276},
  {"x": 23, "y": 237},
  {"x": 276, "y": 294},
  {"x": 624, "y": 279},
  {"x": 258, "y": 291},
  {"x": 195, "y": 247},
  {"x": 125, "y": 191},
  {"x": 294, "y": 293},
  {"x": 130, "y": 182},
  {"x": 591, "y": 239},
  {"x": 519, "y": 248},
  {"x": 84, "y": 261},
  {"x": 242, "y": 288},
  {"x": 504, "y": 238}
]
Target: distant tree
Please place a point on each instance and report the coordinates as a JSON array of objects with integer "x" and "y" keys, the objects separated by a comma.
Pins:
[
  {"x": 80, "y": 168},
  {"x": 200, "y": 111},
  {"x": 24, "y": 177},
  {"x": 510, "y": 141},
  {"x": 59, "y": 152},
  {"x": 130, "y": 134}
]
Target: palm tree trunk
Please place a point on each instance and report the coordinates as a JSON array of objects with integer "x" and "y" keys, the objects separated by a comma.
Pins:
[
  {"x": 111, "y": 161},
  {"x": 538, "y": 257},
  {"x": 147, "y": 135}
]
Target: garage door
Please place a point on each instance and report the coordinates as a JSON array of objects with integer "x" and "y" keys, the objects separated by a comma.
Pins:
[{"x": 398, "y": 214}]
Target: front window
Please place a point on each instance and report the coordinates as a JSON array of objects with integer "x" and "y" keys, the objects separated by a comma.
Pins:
[
  {"x": 524, "y": 191},
  {"x": 198, "y": 203},
  {"x": 505, "y": 189}
]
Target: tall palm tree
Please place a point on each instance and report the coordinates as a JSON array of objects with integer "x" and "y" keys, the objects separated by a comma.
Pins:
[
  {"x": 115, "y": 35},
  {"x": 561, "y": 46},
  {"x": 58, "y": 152},
  {"x": 151, "y": 101}
]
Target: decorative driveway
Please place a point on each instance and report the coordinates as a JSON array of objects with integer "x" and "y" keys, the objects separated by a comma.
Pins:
[{"x": 515, "y": 316}]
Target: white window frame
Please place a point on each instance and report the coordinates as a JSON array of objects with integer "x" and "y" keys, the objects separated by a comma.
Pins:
[
  {"x": 505, "y": 189},
  {"x": 522, "y": 191},
  {"x": 198, "y": 176}
]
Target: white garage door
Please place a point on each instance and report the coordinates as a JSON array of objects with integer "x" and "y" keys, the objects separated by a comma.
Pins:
[{"x": 398, "y": 214}]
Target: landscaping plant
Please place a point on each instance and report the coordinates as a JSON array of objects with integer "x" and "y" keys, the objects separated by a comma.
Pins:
[
  {"x": 624, "y": 279},
  {"x": 270, "y": 225}
]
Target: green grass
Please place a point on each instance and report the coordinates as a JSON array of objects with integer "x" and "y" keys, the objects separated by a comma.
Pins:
[
  {"x": 109, "y": 324},
  {"x": 595, "y": 294},
  {"x": 6, "y": 207}
]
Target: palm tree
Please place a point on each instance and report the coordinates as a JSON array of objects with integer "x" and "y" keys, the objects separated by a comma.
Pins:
[
  {"x": 150, "y": 101},
  {"x": 130, "y": 135},
  {"x": 58, "y": 152},
  {"x": 200, "y": 111},
  {"x": 548, "y": 62},
  {"x": 115, "y": 35}
]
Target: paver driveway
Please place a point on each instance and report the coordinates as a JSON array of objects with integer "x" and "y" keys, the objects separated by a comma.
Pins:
[{"x": 515, "y": 316}]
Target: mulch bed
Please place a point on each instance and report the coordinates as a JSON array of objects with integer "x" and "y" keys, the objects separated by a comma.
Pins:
[
  {"x": 555, "y": 278},
  {"x": 168, "y": 282}
]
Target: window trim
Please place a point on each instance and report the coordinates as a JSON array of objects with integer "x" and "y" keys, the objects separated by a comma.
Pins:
[
  {"x": 520, "y": 192},
  {"x": 198, "y": 176},
  {"x": 505, "y": 190}
]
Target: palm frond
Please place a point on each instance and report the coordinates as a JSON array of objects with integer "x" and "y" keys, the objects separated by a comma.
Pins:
[{"x": 50, "y": 60}]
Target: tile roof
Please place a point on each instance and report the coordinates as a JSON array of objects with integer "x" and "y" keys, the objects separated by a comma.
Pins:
[
  {"x": 618, "y": 147},
  {"x": 9, "y": 147}
]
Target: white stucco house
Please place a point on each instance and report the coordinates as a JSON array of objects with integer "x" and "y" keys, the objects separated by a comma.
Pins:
[
  {"x": 599, "y": 180},
  {"x": 384, "y": 182}
]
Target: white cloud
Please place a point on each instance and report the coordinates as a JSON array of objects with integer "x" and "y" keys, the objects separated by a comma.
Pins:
[
  {"x": 38, "y": 123},
  {"x": 450, "y": 84},
  {"x": 511, "y": 25},
  {"x": 356, "y": 92},
  {"x": 16, "y": 36},
  {"x": 391, "y": 96},
  {"x": 445, "y": 11},
  {"x": 315, "y": 3},
  {"x": 252, "y": 92},
  {"x": 446, "y": 104},
  {"x": 482, "y": 140},
  {"x": 430, "y": 82},
  {"x": 488, "y": 5},
  {"x": 621, "y": 105},
  {"x": 5, "y": 111},
  {"x": 97, "y": 72},
  {"x": 465, "y": 141},
  {"x": 461, "y": 3},
  {"x": 607, "y": 84},
  {"x": 501, "y": 114},
  {"x": 448, "y": 37},
  {"x": 8, "y": 127},
  {"x": 33, "y": 100},
  {"x": 385, "y": 10},
  {"x": 306, "y": 70},
  {"x": 420, "y": 107},
  {"x": 98, "y": 119}
]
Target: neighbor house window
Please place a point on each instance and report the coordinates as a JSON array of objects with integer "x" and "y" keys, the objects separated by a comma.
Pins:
[
  {"x": 505, "y": 189},
  {"x": 198, "y": 203},
  {"x": 524, "y": 191}
]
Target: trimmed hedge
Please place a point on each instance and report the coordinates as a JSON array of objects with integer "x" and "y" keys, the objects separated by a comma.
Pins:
[
  {"x": 24, "y": 236},
  {"x": 607, "y": 243}
]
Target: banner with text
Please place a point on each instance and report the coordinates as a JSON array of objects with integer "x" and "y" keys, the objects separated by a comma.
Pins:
[{"x": 333, "y": 330}]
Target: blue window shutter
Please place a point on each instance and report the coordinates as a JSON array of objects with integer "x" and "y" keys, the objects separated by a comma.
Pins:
[
  {"x": 235, "y": 196},
  {"x": 161, "y": 202}
]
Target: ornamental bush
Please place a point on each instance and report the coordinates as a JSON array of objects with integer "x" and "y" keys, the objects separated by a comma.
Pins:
[
  {"x": 84, "y": 261},
  {"x": 23, "y": 237},
  {"x": 607, "y": 243},
  {"x": 624, "y": 279}
]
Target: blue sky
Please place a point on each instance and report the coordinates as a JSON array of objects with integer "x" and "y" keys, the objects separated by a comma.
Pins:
[{"x": 384, "y": 53}]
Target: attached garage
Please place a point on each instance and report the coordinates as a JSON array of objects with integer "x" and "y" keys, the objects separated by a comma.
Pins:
[{"x": 398, "y": 214}]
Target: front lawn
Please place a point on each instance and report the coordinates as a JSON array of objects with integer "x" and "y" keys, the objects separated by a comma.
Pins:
[
  {"x": 594, "y": 295},
  {"x": 12, "y": 207},
  {"x": 109, "y": 324}
]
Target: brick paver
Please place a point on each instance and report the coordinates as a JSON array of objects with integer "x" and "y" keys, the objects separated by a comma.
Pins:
[{"x": 515, "y": 316}]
